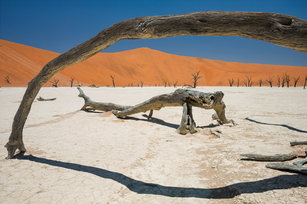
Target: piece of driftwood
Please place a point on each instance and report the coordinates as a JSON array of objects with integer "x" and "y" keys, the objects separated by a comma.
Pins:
[
  {"x": 298, "y": 143},
  {"x": 283, "y": 30},
  {"x": 287, "y": 167},
  {"x": 276, "y": 157},
  {"x": 180, "y": 97},
  {"x": 45, "y": 99},
  {"x": 301, "y": 162},
  {"x": 90, "y": 105}
]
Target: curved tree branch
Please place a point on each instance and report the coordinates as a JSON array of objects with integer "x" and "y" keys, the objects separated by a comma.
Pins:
[{"x": 282, "y": 30}]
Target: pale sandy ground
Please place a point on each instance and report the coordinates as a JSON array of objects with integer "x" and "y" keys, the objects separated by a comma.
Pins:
[{"x": 81, "y": 157}]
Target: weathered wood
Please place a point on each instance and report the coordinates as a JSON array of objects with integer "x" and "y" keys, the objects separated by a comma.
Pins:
[
  {"x": 287, "y": 167},
  {"x": 277, "y": 157},
  {"x": 301, "y": 162},
  {"x": 280, "y": 29},
  {"x": 180, "y": 97},
  {"x": 187, "y": 99},
  {"x": 45, "y": 99},
  {"x": 90, "y": 105},
  {"x": 298, "y": 143}
]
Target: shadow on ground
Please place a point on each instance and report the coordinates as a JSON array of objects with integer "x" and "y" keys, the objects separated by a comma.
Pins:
[
  {"x": 282, "y": 125},
  {"x": 279, "y": 182}
]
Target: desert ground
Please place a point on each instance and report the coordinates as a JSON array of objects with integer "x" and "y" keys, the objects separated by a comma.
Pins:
[{"x": 75, "y": 156}]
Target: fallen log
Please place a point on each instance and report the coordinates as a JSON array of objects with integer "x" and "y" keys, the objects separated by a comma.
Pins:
[
  {"x": 180, "y": 97},
  {"x": 45, "y": 99},
  {"x": 276, "y": 157},
  {"x": 287, "y": 167},
  {"x": 298, "y": 143},
  {"x": 90, "y": 105}
]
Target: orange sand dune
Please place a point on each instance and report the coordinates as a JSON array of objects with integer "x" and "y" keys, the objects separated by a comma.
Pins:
[{"x": 21, "y": 63}]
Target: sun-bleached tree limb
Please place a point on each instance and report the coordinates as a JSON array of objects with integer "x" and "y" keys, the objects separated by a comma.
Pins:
[
  {"x": 287, "y": 167},
  {"x": 180, "y": 97},
  {"x": 298, "y": 143},
  {"x": 283, "y": 30},
  {"x": 90, "y": 105},
  {"x": 276, "y": 157}
]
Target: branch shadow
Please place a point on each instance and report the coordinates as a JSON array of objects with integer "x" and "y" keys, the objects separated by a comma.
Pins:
[
  {"x": 153, "y": 120},
  {"x": 282, "y": 125},
  {"x": 140, "y": 187}
]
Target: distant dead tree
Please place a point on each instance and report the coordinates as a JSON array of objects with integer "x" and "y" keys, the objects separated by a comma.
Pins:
[
  {"x": 142, "y": 83},
  {"x": 175, "y": 84},
  {"x": 196, "y": 77},
  {"x": 249, "y": 81},
  {"x": 238, "y": 84},
  {"x": 113, "y": 80},
  {"x": 165, "y": 83},
  {"x": 295, "y": 80},
  {"x": 305, "y": 81},
  {"x": 55, "y": 82},
  {"x": 71, "y": 81},
  {"x": 278, "y": 81},
  {"x": 287, "y": 79},
  {"x": 231, "y": 81},
  {"x": 270, "y": 81},
  {"x": 245, "y": 82},
  {"x": 260, "y": 82},
  {"x": 7, "y": 79},
  {"x": 79, "y": 84}
]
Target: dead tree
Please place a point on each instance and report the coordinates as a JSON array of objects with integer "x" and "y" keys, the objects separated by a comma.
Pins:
[
  {"x": 71, "y": 81},
  {"x": 142, "y": 83},
  {"x": 175, "y": 84},
  {"x": 305, "y": 81},
  {"x": 180, "y": 97},
  {"x": 245, "y": 82},
  {"x": 238, "y": 84},
  {"x": 165, "y": 82},
  {"x": 295, "y": 80},
  {"x": 270, "y": 81},
  {"x": 231, "y": 81},
  {"x": 278, "y": 81},
  {"x": 280, "y": 29},
  {"x": 79, "y": 84},
  {"x": 287, "y": 78},
  {"x": 249, "y": 81},
  {"x": 113, "y": 80},
  {"x": 55, "y": 82},
  {"x": 260, "y": 82},
  {"x": 283, "y": 80},
  {"x": 7, "y": 79},
  {"x": 195, "y": 79}
]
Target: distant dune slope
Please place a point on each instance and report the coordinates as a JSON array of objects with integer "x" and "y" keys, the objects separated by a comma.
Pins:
[{"x": 21, "y": 63}]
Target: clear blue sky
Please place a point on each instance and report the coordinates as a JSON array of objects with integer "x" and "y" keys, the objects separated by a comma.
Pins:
[{"x": 59, "y": 25}]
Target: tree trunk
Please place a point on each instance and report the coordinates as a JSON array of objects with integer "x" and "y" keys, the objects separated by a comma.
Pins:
[
  {"x": 180, "y": 97},
  {"x": 282, "y": 30}
]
